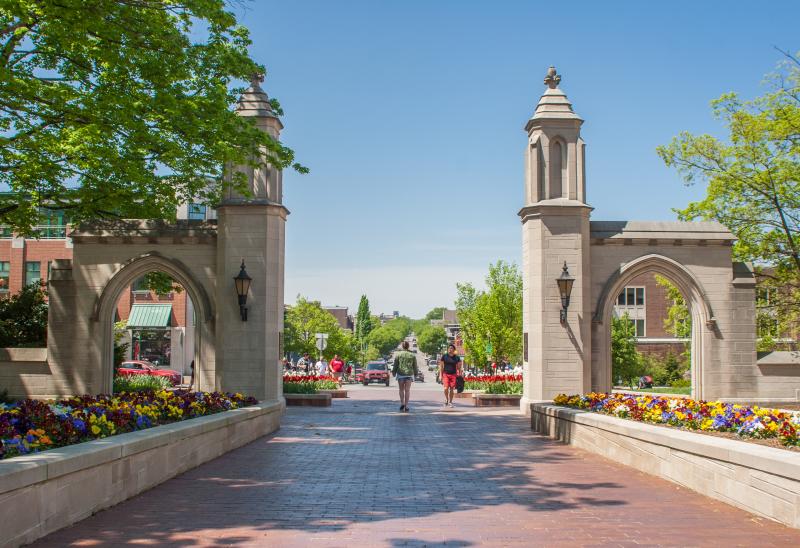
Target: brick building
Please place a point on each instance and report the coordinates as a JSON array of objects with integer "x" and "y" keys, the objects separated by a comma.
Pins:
[{"x": 647, "y": 304}]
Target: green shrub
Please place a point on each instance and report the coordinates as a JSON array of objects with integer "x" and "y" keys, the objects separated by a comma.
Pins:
[
  {"x": 308, "y": 384},
  {"x": 681, "y": 383},
  {"x": 140, "y": 383}
]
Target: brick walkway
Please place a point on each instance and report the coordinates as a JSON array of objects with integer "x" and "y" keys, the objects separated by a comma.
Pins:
[{"x": 361, "y": 474}]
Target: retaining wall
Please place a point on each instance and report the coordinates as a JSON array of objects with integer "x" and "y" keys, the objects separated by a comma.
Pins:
[
  {"x": 42, "y": 493},
  {"x": 762, "y": 480}
]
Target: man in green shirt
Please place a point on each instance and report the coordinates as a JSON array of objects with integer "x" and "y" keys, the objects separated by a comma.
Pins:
[{"x": 404, "y": 370}]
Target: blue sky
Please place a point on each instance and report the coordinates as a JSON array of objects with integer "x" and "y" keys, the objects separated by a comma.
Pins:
[{"x": 410, "y": 115}]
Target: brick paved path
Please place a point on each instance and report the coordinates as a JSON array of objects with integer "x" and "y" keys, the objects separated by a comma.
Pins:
[{"x": 362, "y": 474}]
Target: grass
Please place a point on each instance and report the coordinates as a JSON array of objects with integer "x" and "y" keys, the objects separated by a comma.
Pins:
[
  {"x": 682, "y": 390},
  {"x": 140, "y": 383}
]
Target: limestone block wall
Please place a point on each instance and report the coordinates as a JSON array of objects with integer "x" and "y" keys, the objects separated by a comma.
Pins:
[
  {"x": 557, "y": 355},
  {"x": 720, "y": 293},
  {"x": 25, "y": 371},
  {"x": 249, "y": 351},
  {"x": 83, "y": 296}
]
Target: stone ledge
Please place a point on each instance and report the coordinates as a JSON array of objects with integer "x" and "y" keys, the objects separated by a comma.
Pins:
[
  {"x": 762, "y": 480},
  {"x": 467, "y": 394},
  {"x": 44, "y": 492},
  {"x": 308, "y": 400},
  {"x": 341, "y": 393},
  {"x": 23, "y": 354},
  {"x": 497, "y": 400}
]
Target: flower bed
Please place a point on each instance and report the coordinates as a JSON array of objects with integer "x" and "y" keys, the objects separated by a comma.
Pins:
[
  {"x": 308, "y": 384},
  {"x": 495, "y": 384},
  {"x": 745, "y": 422},
  {"x": 30, "y": 426}
]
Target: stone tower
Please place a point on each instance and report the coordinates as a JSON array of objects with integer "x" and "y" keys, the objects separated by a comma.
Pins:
[
  {"x": 252, "y": 229},
  {"x": 555, "y": 229}
]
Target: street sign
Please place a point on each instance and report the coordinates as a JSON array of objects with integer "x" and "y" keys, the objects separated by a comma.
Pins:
[{"x": 322, "y": 341}]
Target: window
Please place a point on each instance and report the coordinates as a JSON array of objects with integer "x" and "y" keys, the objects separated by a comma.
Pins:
[
  {"x": 6, "y": 232},
  {"x": 639, "y": 327},
  {"x": 631, "y": 296},
  {"x": 631, "y": 302},
  {"x": 33, "y": 272},
  {"x": 196, "y": 212},
  {"x": 5, "y": 271}
]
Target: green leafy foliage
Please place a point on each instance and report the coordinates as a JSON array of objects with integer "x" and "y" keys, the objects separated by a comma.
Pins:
[
  {"x": 122, "y": 108},
  {"x": 308, "y": 317},
  {"x": 364, "y": 323},
  {"x": 436, "y": 313},
  {"x": 385, "y": 339},
  {"x": 161, "y": 283},
  {"x": 120, "y": 348},
  {"x": 308, "y": 384},
  {"x": 753, "y": 181},
  {"x": 492, "y": 318},
  {"x": 431, "y": 339},
  {"x": 626, "y": 362},
  {"x": 140, "y": 383},
  {"x": 23, "y": 318}
]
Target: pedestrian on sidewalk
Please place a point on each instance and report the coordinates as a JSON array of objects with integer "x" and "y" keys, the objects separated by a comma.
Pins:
[
  {"x": 404, "y": 370},
  {"x": 322, "y": 367},
  {"x": 337, "y": 368},
  {"x": 304, "y": 363},
  {"x": 449, "y": 370}
]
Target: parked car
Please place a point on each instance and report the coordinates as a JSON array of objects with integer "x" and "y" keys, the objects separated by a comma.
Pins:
[
  {"x": 144, "y": 367},
  {"x": 376, "y": 371}
]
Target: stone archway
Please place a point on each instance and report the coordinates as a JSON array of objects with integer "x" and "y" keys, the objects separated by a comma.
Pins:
[
  {"x": 106, "y": 304},
  {"x": 690, "y": 287}
]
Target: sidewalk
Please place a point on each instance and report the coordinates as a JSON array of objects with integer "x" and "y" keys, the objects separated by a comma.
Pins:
[{"x": 362, "y": 474}]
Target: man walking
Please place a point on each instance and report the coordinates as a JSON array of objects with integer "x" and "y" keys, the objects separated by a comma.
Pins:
[
  {"x": 404, "y": 370},
  {"x": 337, "y": 368},
  {"x": 449, "y": 371},
  {"x": 322, "y": 367}
]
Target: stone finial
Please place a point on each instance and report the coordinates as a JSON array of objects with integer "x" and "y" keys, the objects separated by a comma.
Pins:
[
  {"x": 552, "y": 79},
  {"x": 257, "y": 79}
]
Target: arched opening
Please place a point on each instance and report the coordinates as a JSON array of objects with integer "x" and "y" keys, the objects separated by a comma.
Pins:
[
  {"x": 557, "y": 168},
  {"x": 154, "y": 306},
  {"x": 635, "y": 304}
]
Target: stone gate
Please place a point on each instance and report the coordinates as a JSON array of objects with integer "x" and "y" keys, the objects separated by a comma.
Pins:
[{"x": 575, "y": 356}]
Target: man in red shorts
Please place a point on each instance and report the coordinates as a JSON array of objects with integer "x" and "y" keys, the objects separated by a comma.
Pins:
[{"x": 449, "y": 370}]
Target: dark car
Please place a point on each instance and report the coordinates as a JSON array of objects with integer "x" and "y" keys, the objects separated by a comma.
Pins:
[
  {"x": 420, "y": 376},
  {"x": 377, "y": 371}
]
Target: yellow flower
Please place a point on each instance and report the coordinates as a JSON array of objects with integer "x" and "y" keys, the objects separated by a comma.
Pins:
[{"x": 95, "y": 429}]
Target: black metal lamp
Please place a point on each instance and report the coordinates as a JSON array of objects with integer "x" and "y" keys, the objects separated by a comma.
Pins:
[
  {"x": 565, "y": 282},
  {"x": 242, "y": 281}
]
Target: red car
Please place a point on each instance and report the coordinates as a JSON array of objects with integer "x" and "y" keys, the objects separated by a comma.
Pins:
[
  {"x": 377, "y": 371},
  {"x": 144, "y": 367}
]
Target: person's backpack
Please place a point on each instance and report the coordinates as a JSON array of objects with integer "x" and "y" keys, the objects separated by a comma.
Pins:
[
  {"x": 405, "y": 364},
  {"x": 459, "y": 384}
]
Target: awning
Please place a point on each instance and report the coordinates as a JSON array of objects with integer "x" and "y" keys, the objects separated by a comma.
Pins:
[{"x": 150, "y": 315}]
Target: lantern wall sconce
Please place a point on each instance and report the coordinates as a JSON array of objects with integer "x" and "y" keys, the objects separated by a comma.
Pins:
[
  {"x": 242, "y": 282},
  {"x": 565, "y": 283}
]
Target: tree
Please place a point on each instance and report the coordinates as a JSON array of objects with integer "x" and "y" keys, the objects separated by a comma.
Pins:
[
  {"x": 385, "y": 339},
  {"x": 753, "y": 180},
  {"x": 23, "y": 318},
  {"x": 626, "y": 362},
  {"x": 308, "y": 317},
  {"x": 122, "y": 108},
  {"x": 491, "y": 320},
  {"x": 436, "y": 313},
  {"x": 431, "y": 339},
  {"x": 161, "y": 282},
  {"x": 363, "y": 319},
  {"x": 678, "y": 322}
]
